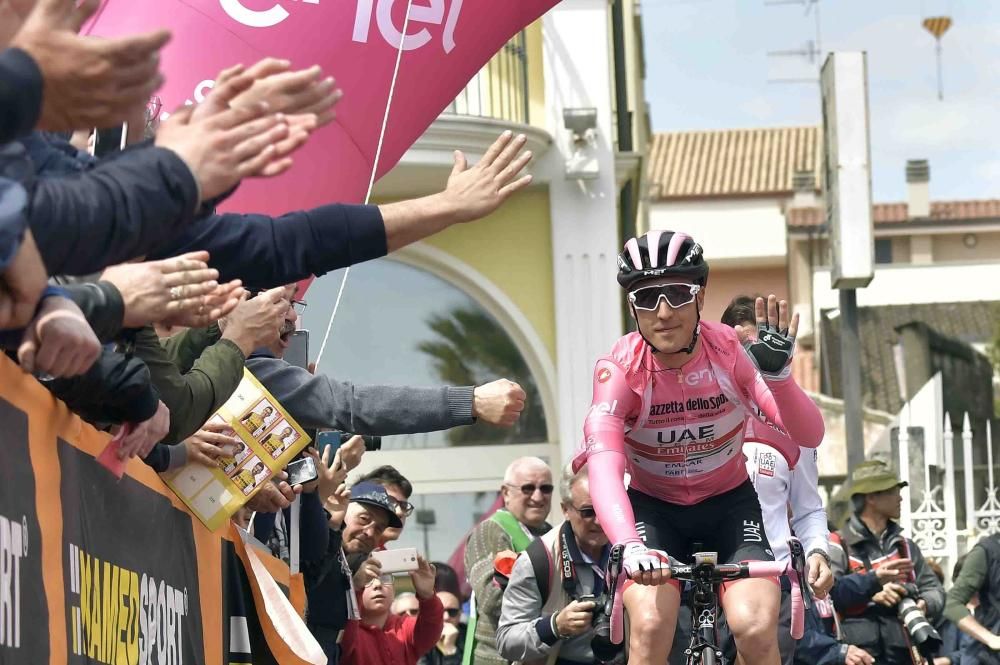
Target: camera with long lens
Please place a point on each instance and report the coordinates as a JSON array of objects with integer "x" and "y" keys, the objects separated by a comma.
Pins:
[
  {"x": 605, "y": 651},
  {"x": 925, "y": 638}
]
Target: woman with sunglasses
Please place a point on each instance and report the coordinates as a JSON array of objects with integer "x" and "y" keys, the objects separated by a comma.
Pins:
[{"x": 670, "y": 404}]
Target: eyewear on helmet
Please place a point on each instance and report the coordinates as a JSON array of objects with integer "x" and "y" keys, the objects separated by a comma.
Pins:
[{"x": 677, "y": 295}]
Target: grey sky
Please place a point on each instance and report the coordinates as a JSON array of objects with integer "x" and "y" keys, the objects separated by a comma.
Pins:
[{"x": 707, "y": 68}]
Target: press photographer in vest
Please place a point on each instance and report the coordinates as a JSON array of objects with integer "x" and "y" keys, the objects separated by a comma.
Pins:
[{"x": 554, "y": 597}]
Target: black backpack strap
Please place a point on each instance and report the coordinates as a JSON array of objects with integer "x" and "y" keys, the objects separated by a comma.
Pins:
[{"x": 541, "y": 565}]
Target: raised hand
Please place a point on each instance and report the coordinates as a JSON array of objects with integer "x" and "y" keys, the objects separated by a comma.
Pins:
[
  {"x": 772, "y": 344},
  {"x": 145, "y": 435},
  {"x": 423, "y": 579},
  {"x": 293, "y": 93},
  {"x": 89, "y": 81},
  {"x": 477, "y": 191},
  {"x": 256, "y": 322}
]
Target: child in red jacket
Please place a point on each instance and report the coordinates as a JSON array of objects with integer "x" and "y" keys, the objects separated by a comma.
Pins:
[{"x": 381, "y": 638}]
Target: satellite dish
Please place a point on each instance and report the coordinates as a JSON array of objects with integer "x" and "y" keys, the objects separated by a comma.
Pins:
[{"x": 937, "y": 26}]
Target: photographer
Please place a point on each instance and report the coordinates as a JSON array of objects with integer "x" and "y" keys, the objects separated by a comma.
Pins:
[
  {"x": 893, "y": 627},
  {"x": 550, "y": 617}
]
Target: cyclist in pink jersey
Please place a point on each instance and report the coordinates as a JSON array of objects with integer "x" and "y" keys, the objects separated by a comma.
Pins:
[{"x": 670, "y": 404}]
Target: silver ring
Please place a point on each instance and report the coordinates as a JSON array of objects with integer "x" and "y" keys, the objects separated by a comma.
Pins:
[{"x": 175, "y": 293}]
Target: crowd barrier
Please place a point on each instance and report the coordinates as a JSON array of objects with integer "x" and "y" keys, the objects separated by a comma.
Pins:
[{"x": 97, "y": 570}]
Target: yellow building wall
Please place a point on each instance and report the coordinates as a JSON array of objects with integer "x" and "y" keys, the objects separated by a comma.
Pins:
[
  {"x": 536, "y": 74},
  {"x": 513, "y": 249}
]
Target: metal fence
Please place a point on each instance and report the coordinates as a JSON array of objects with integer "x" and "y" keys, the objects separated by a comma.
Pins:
[
  {"x": 500, "y": 89},
  {"x": 955, "y": 509}
]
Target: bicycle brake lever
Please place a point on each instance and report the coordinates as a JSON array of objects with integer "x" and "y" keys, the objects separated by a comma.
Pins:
[{"x": 798, "y": 556}]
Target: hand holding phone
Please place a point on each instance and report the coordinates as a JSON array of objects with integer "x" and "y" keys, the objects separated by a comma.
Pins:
[
  {"x": 301, "y": 471},
  {"x": 402, "y": 560}
]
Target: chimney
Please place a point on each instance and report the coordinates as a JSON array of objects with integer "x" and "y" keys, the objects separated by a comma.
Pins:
[
  {"x": 804, "y": 189},
  {"x": 918, "y": 178}
]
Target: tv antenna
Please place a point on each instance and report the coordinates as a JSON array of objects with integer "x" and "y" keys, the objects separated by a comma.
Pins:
[{"x": 811, "y": 51}]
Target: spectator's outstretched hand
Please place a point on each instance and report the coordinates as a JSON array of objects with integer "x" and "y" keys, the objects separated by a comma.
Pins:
[
  {"x": 221, "y": 146},
  {"x": 498, "y": 403},
  {"x": 336, "y": 505},
  {"x": 89, "y": 81},
  {"x": 58, "y": 341},
  {"x": 179, "y": 291},
  {"x": 295, "y": 93},
  {"x": 423, "y": 579},
  {"x": 476, "y": 192},
  {"x": 371, "y": 569},
  {"x": 210, "y": 443},
  {"x": 257, "y": 321},
  {"x": 21, "y": 285},
  {"x": 145, "y": 435}
]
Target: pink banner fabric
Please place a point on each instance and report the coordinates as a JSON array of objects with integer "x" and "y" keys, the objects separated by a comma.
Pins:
[{"x": 356, "y": 41}]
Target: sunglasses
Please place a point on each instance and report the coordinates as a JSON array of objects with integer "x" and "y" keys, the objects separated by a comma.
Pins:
[
  {"x": 677, "y": 295},
  {"x": 452, "y": 611},
  {"x": 586, "y": 512},
  {"x": 413, "y": 611},
  {"x": 530, "y": 488},
  {"x": 406, "y": 507}
]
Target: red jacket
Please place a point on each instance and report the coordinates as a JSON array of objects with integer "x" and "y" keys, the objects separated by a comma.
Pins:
[{"x": 402, "y": 641}]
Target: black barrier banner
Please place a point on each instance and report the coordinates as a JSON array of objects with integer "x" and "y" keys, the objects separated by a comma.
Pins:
[{"x": 24, "y": 615}]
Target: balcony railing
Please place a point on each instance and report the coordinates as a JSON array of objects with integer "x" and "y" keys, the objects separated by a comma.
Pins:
[{"x": 500, "y": 89}]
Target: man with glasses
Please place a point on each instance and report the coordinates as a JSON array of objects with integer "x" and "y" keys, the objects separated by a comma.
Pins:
[
  {"x": 527, "y": 499},
  {"x": 355, "y": 531},
  {"x": 871, "y": 541},
  {"x": 399, "y": 489},
  {"x": 551, "y": 619}
]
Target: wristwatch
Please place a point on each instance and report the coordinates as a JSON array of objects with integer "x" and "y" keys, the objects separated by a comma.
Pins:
[{"x": 820, "y": 552}]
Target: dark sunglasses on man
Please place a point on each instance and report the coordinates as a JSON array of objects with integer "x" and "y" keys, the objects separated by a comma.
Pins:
[
  {"x": 452, "y": 612},
  {"x": 529, "y": 488}
]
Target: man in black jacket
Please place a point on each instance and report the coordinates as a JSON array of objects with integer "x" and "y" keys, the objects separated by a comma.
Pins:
[{"x": 870, "y": 540}]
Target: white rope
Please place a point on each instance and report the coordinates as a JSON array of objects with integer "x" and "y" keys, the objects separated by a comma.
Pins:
[{"x": 371, "y": 179}]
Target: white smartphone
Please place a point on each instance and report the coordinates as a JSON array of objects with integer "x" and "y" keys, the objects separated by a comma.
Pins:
[{"x": 402, "y": 560}]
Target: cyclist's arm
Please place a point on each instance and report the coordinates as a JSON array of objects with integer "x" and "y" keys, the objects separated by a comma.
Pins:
[
  {"x": 604, "y": 438},
  {"x": 783, "y": 403},
  {"x": 808, "y": 515}
]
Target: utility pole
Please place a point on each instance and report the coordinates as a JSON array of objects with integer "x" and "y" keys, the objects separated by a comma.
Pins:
[{"x": 848, "y": 193}]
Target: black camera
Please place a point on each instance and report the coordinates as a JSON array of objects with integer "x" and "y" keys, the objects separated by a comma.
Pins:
[
  {"x": 926, "y": 639},
  {"x": 605, "y": 651}
]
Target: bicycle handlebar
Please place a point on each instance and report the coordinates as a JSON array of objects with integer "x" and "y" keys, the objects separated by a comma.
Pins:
[{"x": 794, "y": 570}]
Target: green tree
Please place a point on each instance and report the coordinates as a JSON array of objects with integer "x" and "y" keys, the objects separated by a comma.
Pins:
[{"x": 471, "y": 348}]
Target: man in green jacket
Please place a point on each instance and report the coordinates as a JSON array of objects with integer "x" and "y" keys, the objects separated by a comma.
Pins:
[{"x": 527, "y": 499}]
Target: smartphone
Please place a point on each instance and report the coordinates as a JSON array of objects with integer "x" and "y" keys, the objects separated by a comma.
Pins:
[
  {"x": 301, "y": 471},
  {"x": 402, "y": 560},
  {"x": 297, "y": 352},
  {"x": 110, "y": 140},
  {"x": 331, "y": 440}
]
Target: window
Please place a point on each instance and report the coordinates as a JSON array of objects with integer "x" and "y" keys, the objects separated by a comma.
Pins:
[
  {"x": 401, "y": 325},
  {"x": 883, "y": 250}
]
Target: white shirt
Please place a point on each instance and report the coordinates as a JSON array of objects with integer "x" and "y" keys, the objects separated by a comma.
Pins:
[{"x": 779, "y": 487}]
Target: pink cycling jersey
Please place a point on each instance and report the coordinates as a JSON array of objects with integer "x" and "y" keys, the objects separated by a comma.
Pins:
[{"x": 679, "y": 432}]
